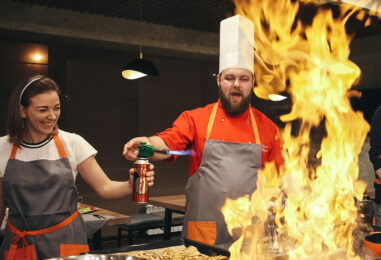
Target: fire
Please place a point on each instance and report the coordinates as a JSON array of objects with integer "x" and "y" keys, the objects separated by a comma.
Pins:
[{"x": 312, "y": 205}]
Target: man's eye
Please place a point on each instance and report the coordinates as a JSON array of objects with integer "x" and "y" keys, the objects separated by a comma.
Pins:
[{"x": 57, "y": 108}]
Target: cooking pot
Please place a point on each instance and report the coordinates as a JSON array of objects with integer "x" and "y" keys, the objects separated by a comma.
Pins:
[
  {"x": 372, "y": 244},
  {"x": 97, "y": 257}
]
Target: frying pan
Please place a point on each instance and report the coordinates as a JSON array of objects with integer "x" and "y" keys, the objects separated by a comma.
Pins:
[
  {"x": 372, "y": 243},
  {"x": 221, "y": 249}
]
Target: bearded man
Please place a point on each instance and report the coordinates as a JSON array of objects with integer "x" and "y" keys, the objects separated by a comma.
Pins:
[{"x": 229, "y": 139}]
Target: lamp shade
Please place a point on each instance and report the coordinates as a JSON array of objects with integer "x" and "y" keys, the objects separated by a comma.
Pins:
[{"x": 139, "y": 68}]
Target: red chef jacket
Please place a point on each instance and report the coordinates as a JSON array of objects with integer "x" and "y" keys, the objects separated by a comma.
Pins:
[{"x": 189, "y": 132}]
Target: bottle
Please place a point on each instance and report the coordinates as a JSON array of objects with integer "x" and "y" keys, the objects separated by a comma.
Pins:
[{"x": 139, "y": 184}]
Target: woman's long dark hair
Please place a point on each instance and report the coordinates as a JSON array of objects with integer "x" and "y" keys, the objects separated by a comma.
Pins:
[{"x": 16, "y": 124}]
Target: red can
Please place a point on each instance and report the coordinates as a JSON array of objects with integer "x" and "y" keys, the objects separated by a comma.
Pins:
[{"x": 139, "y": 185}]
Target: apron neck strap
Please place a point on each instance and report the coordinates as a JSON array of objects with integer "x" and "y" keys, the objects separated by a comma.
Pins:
[
  {"x": 213, "y": 116},
  {"x": 211, "y": 120},
  {"x": 13, "y": 153},
  {"x": 255, "y": 127},
  {"x": 59, "y": 145}
]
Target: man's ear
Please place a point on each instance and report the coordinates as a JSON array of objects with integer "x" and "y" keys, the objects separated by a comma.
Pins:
[
  {"x": 218, "y": 79},
  {"x": 22, "y": 112}
]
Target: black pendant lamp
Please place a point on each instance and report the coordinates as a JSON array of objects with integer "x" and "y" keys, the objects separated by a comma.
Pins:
[{"x": 140, "y": 67}]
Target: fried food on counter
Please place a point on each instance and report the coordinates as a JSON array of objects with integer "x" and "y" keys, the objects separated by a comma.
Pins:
[
  {"x": 145, "y": 254},
  {"x": 188, "y": 253}
]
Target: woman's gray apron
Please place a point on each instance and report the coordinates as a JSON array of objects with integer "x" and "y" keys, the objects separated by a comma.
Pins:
[
  {"x": 41, "y": 194},
  {"x": 227, "y": 170}
]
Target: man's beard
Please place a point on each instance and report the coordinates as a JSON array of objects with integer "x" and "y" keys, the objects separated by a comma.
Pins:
[{"x": 234, "y": 110}]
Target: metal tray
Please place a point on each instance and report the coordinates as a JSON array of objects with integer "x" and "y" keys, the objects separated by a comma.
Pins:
[
  {"x": 222, "y": 249},
  {"x": 97, "y": 257},
  {"x": 147, "y": 246}
]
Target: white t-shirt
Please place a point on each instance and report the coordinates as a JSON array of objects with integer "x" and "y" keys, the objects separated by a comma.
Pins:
[{"x": 77, "y": 150}]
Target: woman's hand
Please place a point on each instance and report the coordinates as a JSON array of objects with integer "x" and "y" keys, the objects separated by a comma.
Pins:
[
  {"x": 149, "y": 176},
  {"x": 93, "y": 174}
]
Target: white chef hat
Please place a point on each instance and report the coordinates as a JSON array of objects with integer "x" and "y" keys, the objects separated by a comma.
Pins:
[{"x": 236, "y": 43}]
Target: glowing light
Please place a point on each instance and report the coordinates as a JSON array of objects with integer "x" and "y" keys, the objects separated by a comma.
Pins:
[
  {"x": 133, "y": 74},
  {"x": 275, "y": 97},
  {"x": 37, "y": 57}
]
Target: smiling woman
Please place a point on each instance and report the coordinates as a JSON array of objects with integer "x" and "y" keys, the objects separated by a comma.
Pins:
[
  {"x": 42, "y": 114},
  {"x": 38, "y": 167},
  {"x": 28, "y": 103}
]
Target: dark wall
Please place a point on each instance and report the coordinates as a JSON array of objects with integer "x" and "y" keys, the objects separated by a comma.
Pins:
[
  {"x": 368, "y": 102},
  {"x": 16, "y": 64},
  {"x": 108, "y": 110}
]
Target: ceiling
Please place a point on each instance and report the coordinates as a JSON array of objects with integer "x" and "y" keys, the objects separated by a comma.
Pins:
[{"x": 200, "y": 15}]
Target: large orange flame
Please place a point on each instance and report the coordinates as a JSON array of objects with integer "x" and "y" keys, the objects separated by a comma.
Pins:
[{"x": 309, "y": 60}]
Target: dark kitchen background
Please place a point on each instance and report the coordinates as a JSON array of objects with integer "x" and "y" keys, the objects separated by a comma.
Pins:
[{"x": 84, "y": 45}]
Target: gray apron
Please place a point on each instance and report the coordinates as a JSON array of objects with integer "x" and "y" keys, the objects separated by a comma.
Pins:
[
  {"x": 41, "y": 194},
  {"x": 227, "y": 170}
]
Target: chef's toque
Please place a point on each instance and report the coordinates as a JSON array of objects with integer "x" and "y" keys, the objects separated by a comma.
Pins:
[{"x": 236, "y": 43}]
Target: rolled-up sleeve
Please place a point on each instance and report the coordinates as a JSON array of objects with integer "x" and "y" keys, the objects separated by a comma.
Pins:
[{"x": 179, "y": 135}]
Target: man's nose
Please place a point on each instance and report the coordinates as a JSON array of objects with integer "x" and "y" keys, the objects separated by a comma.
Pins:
[{"x": 236, "y": 83}]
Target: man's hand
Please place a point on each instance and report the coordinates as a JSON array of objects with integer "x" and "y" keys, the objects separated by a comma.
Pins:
[{"x": 131, "y": 151}]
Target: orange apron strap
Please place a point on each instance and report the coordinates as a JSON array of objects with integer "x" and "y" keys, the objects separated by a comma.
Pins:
[
  {"x": 255, "y": 127},
  {"x": 44, "y": 230},
  {"x": 378, "y": 181},
  {"x": 13, "y": 152},
  {"x": 211, "y": 120},
  {"x": 58, "y": 142},
  {"x": 27, "y": 252},
  {"x": 60, "y": 147},
  {"x": 21, "y": 235},
  {"x": 252, "y": 118}
]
